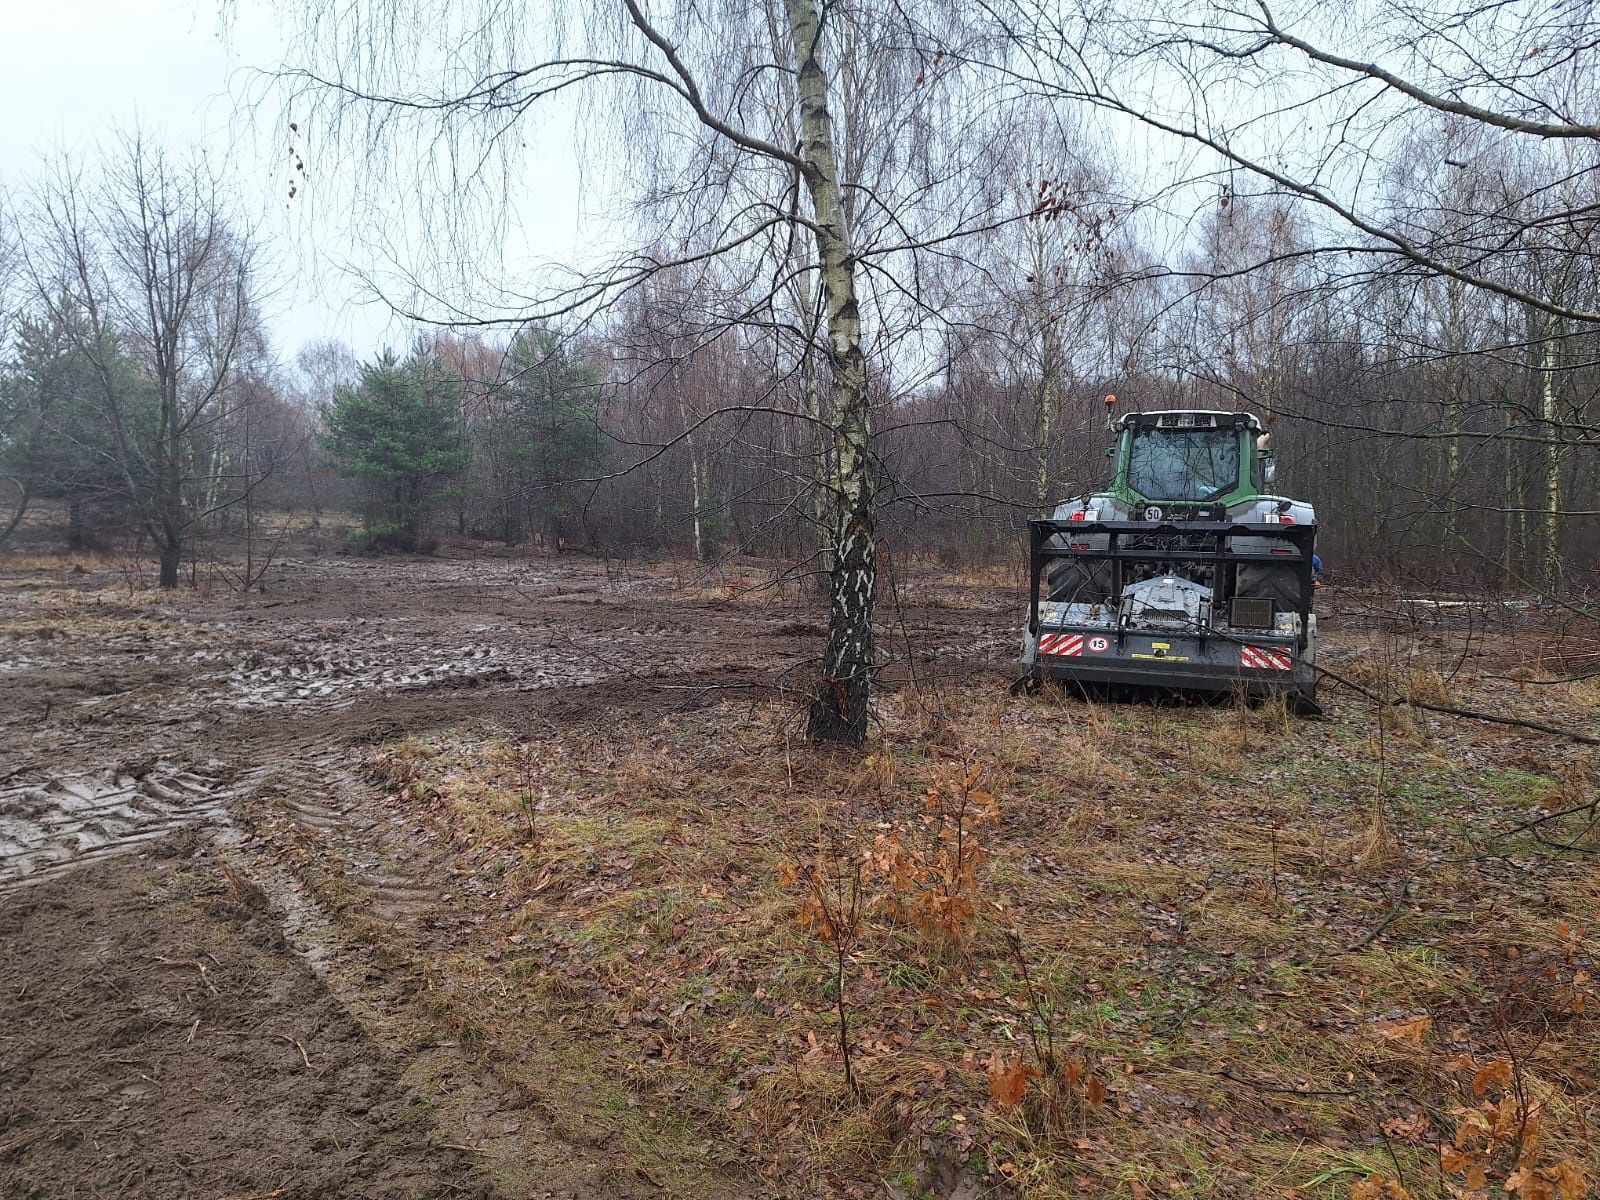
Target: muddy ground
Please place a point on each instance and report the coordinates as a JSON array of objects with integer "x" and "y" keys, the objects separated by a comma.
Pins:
[
  {"x": 219, "y": 935},
  {"x": 178, "y": 1015},
  {"x": 164, "y": 1039}
]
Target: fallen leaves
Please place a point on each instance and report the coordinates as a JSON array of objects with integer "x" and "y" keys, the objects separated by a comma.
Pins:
[
  {"x": 1009, "y": 1076},
  {"x": 1083, "y": 878},
  {"x": 1410, "y": 1030},
  {"x": 1500, "y": 1136},
  {"x": 1379, "y": 1187},
  {"x": 1008, "y": 1080},
  {"x": 1094, "y": 1091}
]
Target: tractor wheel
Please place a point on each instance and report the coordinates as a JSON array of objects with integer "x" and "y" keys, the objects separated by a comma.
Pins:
[
  {"x": 1278, "y": 584},
  {"x": 1080, "y": 583}
]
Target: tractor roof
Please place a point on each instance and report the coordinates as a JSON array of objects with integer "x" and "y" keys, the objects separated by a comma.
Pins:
[{"x": 1189, "y": 418}]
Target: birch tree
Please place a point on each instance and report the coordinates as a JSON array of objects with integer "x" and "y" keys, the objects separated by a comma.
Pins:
[
  {"x": 719, "y": 122},
  {"x": 1317, "y": 105}
]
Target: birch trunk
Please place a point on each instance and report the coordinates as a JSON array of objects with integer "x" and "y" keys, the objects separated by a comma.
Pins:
[
  {"x": 839, "y": 709},
  {"x": 697, "y": 498},
  {"x": 697, "y": 478},
  {"x": 815, "y": 410},
  {"x": 1550, "y": 522}
]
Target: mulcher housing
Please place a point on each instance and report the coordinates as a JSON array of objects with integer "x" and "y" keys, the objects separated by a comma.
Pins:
[{"x": 1207, "y": 589}]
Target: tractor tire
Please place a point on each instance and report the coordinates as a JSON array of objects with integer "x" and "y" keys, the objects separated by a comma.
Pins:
[
  {"x": 1080, "y": 583},
  {"x": 1281, "y": 585}
]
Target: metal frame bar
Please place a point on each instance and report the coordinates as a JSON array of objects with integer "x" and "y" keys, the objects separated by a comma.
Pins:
[{"x": 1301, "y": 540}]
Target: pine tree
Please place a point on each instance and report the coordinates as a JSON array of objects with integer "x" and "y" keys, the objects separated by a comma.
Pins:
[{"x": 397, "y": 432}]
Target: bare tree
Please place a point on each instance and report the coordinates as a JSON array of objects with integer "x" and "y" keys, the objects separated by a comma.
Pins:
[
  {"x": 140, "y": 260},
  {"x": 1043, "y": 292},
  {"x": 1327, "y": 107}
]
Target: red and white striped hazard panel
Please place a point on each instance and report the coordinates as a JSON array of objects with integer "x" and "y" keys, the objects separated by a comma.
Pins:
[
  {"x": 1258, "y": 659},
  {"x": 1064, "y": 645}
]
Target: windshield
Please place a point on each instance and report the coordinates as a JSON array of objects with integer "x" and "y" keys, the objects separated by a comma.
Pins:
[{"x": 1189, "y": 464}]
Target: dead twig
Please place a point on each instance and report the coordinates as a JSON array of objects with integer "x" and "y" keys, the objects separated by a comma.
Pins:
[
  {"x": 1262, "y": 1085},
  {"x": 303, "y": 1058},
  {"x": 1586, "y": 806},
  {"x": 1469, "y": 714},
  {"x": 16, "y": 1144},
  {"x": 1388, "y": 917},
  {"x": 205, "y": 973},
  {"x": 1573, "y": 847}
]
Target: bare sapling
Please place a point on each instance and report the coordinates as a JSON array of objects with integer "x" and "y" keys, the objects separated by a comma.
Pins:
[{"x": 832, "y": 909}]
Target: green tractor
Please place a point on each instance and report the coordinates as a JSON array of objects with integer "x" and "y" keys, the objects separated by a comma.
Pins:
[{"x": 1186, "y": 575}]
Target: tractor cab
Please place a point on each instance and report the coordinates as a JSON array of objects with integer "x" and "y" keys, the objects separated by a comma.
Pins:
[{"x": 1188, "y": 463}]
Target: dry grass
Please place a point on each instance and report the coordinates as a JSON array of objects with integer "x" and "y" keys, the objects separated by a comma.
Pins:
[
  {"x": 1222, "y": 915},
  {"x": 97, "y": 607},
  {"x": 38, "y": 574}
]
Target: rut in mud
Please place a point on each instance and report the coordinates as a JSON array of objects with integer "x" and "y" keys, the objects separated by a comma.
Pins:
[
  {"x": 130, "y": 718},
  {"x": 74, "y": 820},
  {"x": 168, "y": 1041}
]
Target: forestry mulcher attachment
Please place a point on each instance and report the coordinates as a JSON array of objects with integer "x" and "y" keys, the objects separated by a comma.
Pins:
[{"x": 1185, "y": 576}]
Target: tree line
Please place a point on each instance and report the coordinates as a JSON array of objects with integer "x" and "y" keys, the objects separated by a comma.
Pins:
[{"x": 1434, "y": 424}]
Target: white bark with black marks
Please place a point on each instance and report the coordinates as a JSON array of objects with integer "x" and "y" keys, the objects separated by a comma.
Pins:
[{"x": 839, "y": 708}]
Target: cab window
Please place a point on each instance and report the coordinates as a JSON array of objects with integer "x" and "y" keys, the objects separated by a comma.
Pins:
[{"x": 1184, "y": 464}]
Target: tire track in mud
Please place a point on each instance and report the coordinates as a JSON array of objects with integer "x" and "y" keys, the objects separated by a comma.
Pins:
[
  {"x": 318, "y": 794},
  {"x": 367, "y": 889},
  {"x": 329, "y": 674},
  {"x": 314, "y": 684},
  {"x": 51, "y": 823},
  {"x": 360, "y": 887},
  {"x": 71, "y": 820}
]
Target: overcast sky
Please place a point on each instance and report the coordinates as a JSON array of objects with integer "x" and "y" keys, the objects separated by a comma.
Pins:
[{"x": 76, "y": 70}]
